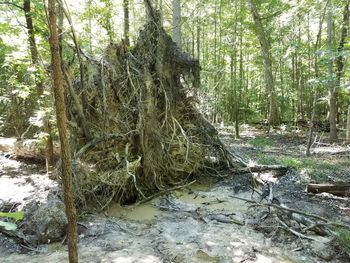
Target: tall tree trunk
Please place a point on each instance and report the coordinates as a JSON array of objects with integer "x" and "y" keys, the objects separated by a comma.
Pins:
[
  {"x": 331, "y": 88},
  {"x": 38, "y": 82},
  {"x": 32, "y": 43},
  {"x": 216, "y": 97},
  {"x": 62, "y": 130},
  {"x": 241, "y": 74},
  {"x": 89, "y": 31},
  {"x": 234, "y": 79},
  {"x": 126, "y": 21},
  {"x": 266, "y": 54},
  {"x": 339, "y": 60},
  {"x": 315, "y": 97},
  {"x": 348, "y": 126},
  {"x": 198, "y": 38},
  {"x": 177, "y": 22},
  {"x": 149, "y": 9}
]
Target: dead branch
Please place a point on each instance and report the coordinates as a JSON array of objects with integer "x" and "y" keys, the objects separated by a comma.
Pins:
[
  {"x": 296, "y": 233},
  {"x": 339, "y": 189},
  {"x": 337, "y": 224},
  {"x": 163, "y": 192}
]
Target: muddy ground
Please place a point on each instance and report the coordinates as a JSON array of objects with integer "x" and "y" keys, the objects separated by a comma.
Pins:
[{"x": 203, "y": 222}]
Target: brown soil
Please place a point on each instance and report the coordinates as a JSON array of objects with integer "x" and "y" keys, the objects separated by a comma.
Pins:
[{"x": 199, "y": 223}]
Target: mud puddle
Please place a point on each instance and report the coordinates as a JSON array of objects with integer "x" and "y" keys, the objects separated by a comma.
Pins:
[
  {"x": 197, "y": 196},
  {"x": 199, "y": 223}
]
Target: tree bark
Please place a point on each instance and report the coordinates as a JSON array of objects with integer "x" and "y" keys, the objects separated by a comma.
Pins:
[
  {"x": 62, "y": 130},
  {"x": 177, "y": 22},
  {"x": 331, "y": 88},
  {"x": 348, "y": 126},
  {"x": 241, "y": 70},
  {"x": 267, "y": 58},
  {"x": 339, "y": 60},
  {"x": 234, "y": 72},
  {"x": 126, "y": 22},
  {"x": 38, "y": 82},
  {"x": 315, "y": 97},
  {"x": 341, "y": 189},
  {"x": 32, "y": 43}
]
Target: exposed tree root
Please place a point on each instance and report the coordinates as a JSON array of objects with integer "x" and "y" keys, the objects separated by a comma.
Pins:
[
  {"x": 135, "y": 123},
  {"x": 306, "y": 220}
]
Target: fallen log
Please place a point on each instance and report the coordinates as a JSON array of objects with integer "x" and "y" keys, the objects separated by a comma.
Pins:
[
  {"x": 33, "y": 149},
  {"x": 341, "y": 152},
  {"x": 339, "y": 189},
  {"x": 279, "y": 170}
]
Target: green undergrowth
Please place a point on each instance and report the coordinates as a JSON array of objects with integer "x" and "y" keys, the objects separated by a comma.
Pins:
[
  {"x": 261, "y": 142},
  {"x": 342, "y": 235},
  {"x": 10, "y": 226},
  {"x": 312, "y": 169}
]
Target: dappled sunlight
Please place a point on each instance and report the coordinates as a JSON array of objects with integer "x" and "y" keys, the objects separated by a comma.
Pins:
[
  {"x": 18, "y": 183},
  {"x": 332, "y": 149},
  {"x": 8, "y": 164},
  {"x": 252, "y": 163},
  {"x": 6, "y": 144},
  {"x": 145, "y": 259},
  {"x": 174, "y": 131},
  {"x": 14, "y": 189}
]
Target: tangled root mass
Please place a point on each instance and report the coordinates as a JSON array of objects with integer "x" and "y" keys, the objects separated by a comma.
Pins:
[{"x": 135, "y": 123}]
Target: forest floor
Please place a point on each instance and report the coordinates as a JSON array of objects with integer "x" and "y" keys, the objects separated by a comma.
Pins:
[{"x": 203, "y": 222}]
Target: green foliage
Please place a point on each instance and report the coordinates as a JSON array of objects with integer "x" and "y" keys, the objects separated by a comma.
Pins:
[
  {"x": 9, "y": 225},
  {"x": 15, "y": 215},
  {"x": 310, "y": 169},
  {"x": 342, "y": 235},
  {"x": 215, "y": 32},
  {"x": 261, "y": 142},
  {"x": 18, "y": 91}
]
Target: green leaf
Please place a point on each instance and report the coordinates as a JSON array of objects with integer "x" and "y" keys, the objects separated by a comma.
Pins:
[
  {"x": 8, "y": 226},
  {"x": 15, "y": 215}
]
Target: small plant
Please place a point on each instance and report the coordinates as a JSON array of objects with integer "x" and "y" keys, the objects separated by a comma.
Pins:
[
  {"x": 261, "y": 142},
  {"x": 342, "y": 235},
  {"x": 8, "y": 225},
  {"x": 291, "y": 162}
]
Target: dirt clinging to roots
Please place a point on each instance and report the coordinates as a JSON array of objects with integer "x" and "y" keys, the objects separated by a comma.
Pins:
[{"x": 135, "y": 123}]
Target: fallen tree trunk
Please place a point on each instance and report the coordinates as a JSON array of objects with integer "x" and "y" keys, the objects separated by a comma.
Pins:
[
  {"x": 340, "y": 189},
  {"x": 280, "y": 169},
  {"x": 33, "y": 150}
]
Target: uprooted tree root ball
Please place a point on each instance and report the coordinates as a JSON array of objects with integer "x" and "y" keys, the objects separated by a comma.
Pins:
[{"x": 135, "y": 123}]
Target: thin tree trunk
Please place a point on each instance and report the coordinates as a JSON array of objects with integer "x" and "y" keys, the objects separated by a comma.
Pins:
[
  {"x": 126, "y": 22},
  {"x": 49, "y": 149},
  {"x": 215, "y": 115},
  {"x": 39, "y": 84},
  {"x": 348, "y": 126},
  {"x": 339, "y": 61},
  {"x": 331, "y": 89},
  {"x": 84, "y": 125},
  {"x": 241, "y": 75},
  {"x": 90, "y": 25},
  {"x": 62, "y": 130},
  {"x": 314, "y": 106},
  {"x": 32, "y": 43},
  {"x": 266, "y": 54},
  {"x": 198, "y": 39},
  {"x": 236, "y": 106},
  {"x": 177, "y": 22}
]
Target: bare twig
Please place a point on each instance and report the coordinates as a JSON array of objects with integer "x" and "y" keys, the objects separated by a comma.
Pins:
[
  {"x": 13, "y": 4},
  {"x": 164, "y": 192},
  {"x": 296, "y": 233},
  {"x": 293, "y": 211}
]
